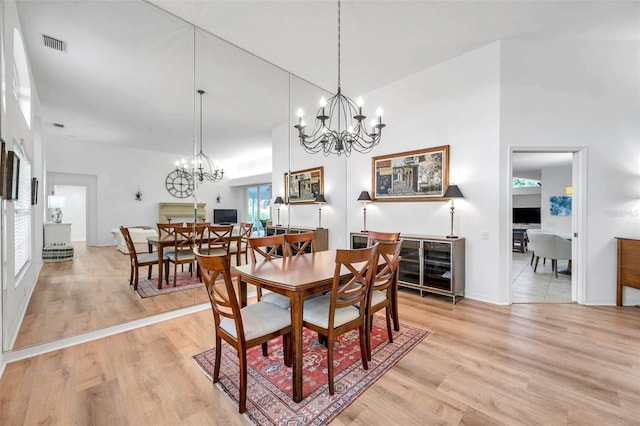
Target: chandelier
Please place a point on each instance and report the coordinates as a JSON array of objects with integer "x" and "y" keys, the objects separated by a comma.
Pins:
[
  {"x": 344, "y": 128},
  {"x": 199, "y": 166}
]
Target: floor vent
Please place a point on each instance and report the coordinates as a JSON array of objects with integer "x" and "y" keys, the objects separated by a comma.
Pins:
[{"x": 53, "y": 43}]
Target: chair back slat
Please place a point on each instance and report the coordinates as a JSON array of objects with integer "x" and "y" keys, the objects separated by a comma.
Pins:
[
  {"x": 224, "y": 302},
  {"x": 388, "y": 260},
  {"x": 167, "y": 229},
  {"x": 184, "y": 238},
  {"x": 267, "y": 247},
  {"x": 245, "y": 230},
  {"x": 377, "y": 237},
  {"x": 129, "y": 242},
  {"x": 361, "y": 263},
  {"x": 297, "y": 243}
]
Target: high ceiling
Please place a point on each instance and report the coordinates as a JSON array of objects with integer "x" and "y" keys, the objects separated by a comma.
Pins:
[{"x": 127, "y": 75}]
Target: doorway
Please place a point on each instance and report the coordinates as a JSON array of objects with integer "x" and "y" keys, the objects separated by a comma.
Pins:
[
  {"x": 75, "y": 210},
  {"x": 550, "y": 206},
  {"x": 259, "y": 207}
]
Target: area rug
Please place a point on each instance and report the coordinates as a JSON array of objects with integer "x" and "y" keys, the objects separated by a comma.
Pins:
[
  {"x": 184, "y": 281},
  {"x": 269, "y": 381}
]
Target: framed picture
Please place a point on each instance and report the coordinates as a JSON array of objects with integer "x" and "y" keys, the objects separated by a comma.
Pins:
[
  {"x": 421, "y": 175},
  {"x": 34, "y": 191},
  {"x": 3, "y": 156},
  {"x": 13, "y": 176},
  {"x": 303, "y": 186},
  {"x": 560, "y": 205}
]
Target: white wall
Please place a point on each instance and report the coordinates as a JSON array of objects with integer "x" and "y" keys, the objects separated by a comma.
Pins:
[
  {"x": 17, "y": 290},
  {"x": 582, "y": 94},
  {"x": 119, "y": 172},
  {"x": 445, "y": 105}
]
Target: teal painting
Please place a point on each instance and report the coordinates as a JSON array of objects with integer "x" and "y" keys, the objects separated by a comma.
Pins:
[{"x": 560, "y": 205}]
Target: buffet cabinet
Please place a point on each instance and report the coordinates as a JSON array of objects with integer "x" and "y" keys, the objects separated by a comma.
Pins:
[
  {"x": 428, "y": 264},
  {"x": 321, "y": 235}
]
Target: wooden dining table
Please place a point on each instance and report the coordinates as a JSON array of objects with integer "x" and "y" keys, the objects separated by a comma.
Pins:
[
  {"x": 295, "y": 277},
  {"x": 169, "y": 241}
]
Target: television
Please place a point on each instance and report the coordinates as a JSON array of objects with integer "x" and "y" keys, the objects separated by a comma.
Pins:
[
  {"x": 526, "y": 215},
  {"x": 225, "y": 216}
]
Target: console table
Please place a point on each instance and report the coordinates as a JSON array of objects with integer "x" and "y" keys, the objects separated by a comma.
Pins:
[
  {"x": 628, "y": 265},
  {"x": 57, "y": 242},
  {"x": 321, "y": 235}
]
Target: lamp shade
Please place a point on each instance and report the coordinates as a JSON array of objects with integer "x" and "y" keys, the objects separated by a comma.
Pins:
[
  {"x": 278, "y": 200},
  {"x": 320, "y": 199},
  {"x": 453, "y": 192},
  {"x": 55, "y": 201},
  {"x": 364, "y": 196}
]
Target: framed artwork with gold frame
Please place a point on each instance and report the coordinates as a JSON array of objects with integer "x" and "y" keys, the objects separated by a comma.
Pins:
[
  {"x": 304, "y": 185},
  {"x": 420, "y": 175}
]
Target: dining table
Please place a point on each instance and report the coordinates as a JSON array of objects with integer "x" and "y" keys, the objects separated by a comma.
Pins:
[
  {"x": 295, "y": 277},
  {"x": 169, "y": 241}
]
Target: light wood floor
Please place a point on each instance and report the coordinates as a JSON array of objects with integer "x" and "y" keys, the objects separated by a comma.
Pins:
[
  {"x": 525, "y": 364},
  {"x": 89, "y": 293}
]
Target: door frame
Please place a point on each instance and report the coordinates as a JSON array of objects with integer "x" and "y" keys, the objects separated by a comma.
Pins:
[
  {"x": 91, "y": 184},
  {"x": 578, "y": 218}
]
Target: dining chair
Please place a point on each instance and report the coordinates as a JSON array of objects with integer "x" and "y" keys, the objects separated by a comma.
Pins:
[
  {"x": 182, "y": 251},
  {"x": 388, "y": 237},
  {"x": 241, "y": 247},
  {"x": 550, "y": 246},
  {"x": 217, "y": 240},
  {"x": 345, "y": 307},
  {"x": 138, "y": 260},
  {"x": 242, "y": 328},
  {"x": 385, "y": 283},
  {"x": 167, "y": 229},
  {"x": 376, "y": 236},
  {"x": 297, "y": 244},
  {"x": 263, "y": 249}
]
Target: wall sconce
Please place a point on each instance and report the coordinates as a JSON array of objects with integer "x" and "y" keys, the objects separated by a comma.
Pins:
[
  {"x": 320, "y": 201},
  {"x": 278, "y": 202},
  {"x": 138, "y": 194},
  {"x": 218, "y": 199},
  {"x": 568, "y": 190},
  {"x": 452, "y": 192},
  {"x": 364, "y": 198}
]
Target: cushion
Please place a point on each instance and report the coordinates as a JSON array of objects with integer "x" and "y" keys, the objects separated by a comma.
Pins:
[
  {"x": 378, "y": 297},
  {"x": 180, "y": 255},
  {"x": 148, "y": 257},
  {"x": 316, "y": 311},
  {"x": 276, "y": 299},
  {"x": 258, "y": 319}
]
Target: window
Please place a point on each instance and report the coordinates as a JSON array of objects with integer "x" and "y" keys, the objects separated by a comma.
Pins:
[
  {"x": 21, "y": 82},
  {"x": 22, "y": 211},
  {"x": 525, "y": 183},
  {"x": 258, "y": 205}
]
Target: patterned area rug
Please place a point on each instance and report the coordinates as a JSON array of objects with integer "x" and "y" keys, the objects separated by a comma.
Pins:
[
  {"x": 269, "y": 395},
  {"x": 184, "y": 281}
]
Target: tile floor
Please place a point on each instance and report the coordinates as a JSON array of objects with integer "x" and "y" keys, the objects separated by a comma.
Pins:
[{"x": 540, "y": 286}]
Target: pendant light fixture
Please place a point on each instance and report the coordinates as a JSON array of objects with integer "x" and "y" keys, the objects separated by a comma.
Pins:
[
  {"x": 340, "y": 125},
  {"x": 200, "y": 166}
]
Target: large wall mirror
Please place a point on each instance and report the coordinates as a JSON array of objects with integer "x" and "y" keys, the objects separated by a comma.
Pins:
[{"x": 134, "y": 71}]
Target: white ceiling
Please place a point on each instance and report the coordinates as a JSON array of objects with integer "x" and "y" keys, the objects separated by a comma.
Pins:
[{"x": 127, "y": 75}]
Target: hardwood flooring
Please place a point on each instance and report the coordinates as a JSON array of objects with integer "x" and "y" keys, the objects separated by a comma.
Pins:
[
  {"x": 89, "y": 293},
  {"x": 484, "y": 364}
]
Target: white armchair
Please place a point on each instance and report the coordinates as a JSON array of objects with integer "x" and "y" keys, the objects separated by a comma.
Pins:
[
  {"x": 139, "y": 236},
  {"x": 550, "y": 246}
]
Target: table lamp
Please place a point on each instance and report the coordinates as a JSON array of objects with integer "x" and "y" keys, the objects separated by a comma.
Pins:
[
  {"x": 452, "y": 192},
  {"x": 278, "y": 202},
  {"x": 320, "y": 201},
  {"x": 364, "y": 198}
]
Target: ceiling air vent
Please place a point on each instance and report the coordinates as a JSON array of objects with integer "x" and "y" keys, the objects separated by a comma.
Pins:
[{"x": 53, "y": 43}]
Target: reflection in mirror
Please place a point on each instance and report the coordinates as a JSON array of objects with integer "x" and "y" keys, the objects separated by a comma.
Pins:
[{"x": 124, "y": 90}]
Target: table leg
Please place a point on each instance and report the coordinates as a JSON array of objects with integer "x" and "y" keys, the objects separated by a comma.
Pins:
[
  {"x": 242, "y": 292},
  {"x": 296, "y": 322},
  {"x": 160, "y": 265}
]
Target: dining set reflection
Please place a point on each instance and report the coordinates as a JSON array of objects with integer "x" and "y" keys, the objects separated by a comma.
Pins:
[{"x": 329, "y": 292}]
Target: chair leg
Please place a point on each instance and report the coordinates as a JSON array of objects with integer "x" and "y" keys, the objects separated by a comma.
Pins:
[
  {"x": 166, "y": 272},
  {"x": 175, "y": 273},
  {"x": 149, "y": 275},
  {"x": 242, "y": 403},
  {"x": 554, "y": 266},
  {"x": 533, "y": 254},
  {"x": 131, "y": 276},
  {"x": 389, "y": 332},
  {"x": 216, "y": 366},
  {"x": 367, "y": 336},
  {"x": 135, "y": 279},
  {"x": 536, "y": 264},
  {"x": 330, "y": 363},
  {"x": 363, "y": 347},
  {"x": 265, "y": 349},
  {"x": 394, "y": 308}
]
